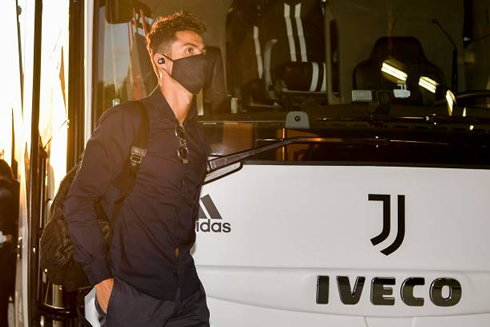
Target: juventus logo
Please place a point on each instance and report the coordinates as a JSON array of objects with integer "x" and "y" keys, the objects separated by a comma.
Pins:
[{"x": 385, "y": 232}]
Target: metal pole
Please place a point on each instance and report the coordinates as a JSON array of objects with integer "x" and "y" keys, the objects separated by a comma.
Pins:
[{"x": 34, "y": 173}]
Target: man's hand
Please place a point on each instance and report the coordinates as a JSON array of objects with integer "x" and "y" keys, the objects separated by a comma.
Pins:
[
  {"x": 103, "y": 291},
  {"x": 8, "y": 238}
]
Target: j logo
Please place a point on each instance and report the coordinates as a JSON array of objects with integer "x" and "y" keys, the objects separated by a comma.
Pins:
[{"x": 386, "y": 199}]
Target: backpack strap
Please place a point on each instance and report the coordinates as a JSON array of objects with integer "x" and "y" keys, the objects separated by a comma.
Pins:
[
  {"x": 140, "y": 144},
  {"x": 130, "y": 169}
]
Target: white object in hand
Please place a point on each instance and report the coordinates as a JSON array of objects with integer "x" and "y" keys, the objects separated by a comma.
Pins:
[{"x": 3, "y": 238}]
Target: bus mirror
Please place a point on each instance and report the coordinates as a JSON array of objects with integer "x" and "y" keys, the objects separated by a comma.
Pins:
[{"x": 118, "y": 11}]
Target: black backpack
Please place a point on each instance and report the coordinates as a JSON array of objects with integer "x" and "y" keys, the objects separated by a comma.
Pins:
[{"x": 57, "y": 254}]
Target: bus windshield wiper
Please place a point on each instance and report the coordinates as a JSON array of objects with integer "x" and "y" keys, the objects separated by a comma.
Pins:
[
  {"x": 234, "y": 158},
  {"x": 217, "y": 168},
  {"x": 428, "y": 119}
]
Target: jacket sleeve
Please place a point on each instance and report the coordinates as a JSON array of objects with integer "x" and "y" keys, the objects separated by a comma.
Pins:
[{"x": 102, "y": 162}]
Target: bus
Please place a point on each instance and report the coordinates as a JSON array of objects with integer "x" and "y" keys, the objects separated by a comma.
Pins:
[{"x": 348, "y": 177}]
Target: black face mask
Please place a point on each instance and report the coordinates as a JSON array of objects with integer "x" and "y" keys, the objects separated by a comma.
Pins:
[{"x": 189, "y": 72}]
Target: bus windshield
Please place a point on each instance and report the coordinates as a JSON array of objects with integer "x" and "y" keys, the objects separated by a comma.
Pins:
[{"x": 409, "y": 78}]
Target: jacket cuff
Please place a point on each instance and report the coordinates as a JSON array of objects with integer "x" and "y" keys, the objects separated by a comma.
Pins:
[{"x": 98, "y": 271}]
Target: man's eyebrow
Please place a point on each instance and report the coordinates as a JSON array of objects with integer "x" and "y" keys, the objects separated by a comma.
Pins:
[
  {"x": 194, "y": 45},
  {"x": 190, "y": 43}
]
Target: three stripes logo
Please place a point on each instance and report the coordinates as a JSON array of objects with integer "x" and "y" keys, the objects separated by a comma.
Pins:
[
  {"x": 297, "y": 43},
  {"x": 385, "y": 232},
  {"x": 209, "y": 219}
]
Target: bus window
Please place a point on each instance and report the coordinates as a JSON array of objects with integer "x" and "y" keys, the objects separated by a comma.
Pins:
[{"x": 353, "y": 69}]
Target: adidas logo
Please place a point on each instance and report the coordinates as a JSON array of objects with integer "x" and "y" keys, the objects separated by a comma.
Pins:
[{"x": 210, "y": 219}]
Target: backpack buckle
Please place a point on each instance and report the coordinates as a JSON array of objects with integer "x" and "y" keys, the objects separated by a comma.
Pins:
[{"x": 137, "y": 155}]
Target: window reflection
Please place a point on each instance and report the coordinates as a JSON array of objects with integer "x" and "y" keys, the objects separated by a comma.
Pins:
[{"x": 124, "y": 68}]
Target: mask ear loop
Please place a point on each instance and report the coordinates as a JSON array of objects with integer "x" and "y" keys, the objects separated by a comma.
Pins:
[{"x": 161, "y": 61}]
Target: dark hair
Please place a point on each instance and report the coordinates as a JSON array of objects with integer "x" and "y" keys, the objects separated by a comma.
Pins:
[
  {"x": 5, "y": 170},
  {"x": 163, "y": 30}
]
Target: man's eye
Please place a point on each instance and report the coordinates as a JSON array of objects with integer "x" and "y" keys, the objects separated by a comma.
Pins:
[{"x": 190, "y": 50}]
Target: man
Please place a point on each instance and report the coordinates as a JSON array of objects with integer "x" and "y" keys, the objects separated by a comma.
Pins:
[
  {"x": 148, "y": 278},
  {"x": 9, "y": 206}
]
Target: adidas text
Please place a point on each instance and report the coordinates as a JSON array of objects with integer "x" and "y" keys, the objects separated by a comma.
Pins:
[{"x": 207, "y": 225}]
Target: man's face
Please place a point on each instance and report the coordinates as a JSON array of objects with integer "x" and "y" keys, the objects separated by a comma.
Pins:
[{"x": 186, "y": 44}]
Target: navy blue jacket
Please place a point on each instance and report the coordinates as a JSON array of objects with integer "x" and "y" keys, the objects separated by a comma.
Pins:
[{"x": 159, "y": 214}]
